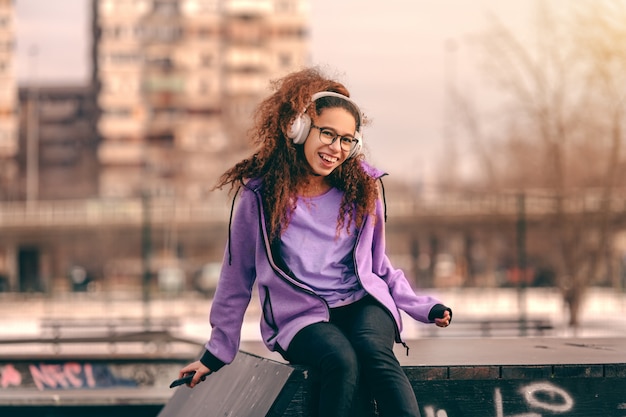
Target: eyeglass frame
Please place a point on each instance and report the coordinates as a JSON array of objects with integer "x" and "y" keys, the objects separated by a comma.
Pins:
[{"x": 353, "y": 142}]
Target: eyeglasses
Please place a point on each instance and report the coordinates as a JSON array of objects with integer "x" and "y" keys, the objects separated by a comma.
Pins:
[{"x": 328, "y": 137}]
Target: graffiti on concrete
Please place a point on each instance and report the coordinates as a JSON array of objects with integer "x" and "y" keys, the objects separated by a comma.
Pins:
[
  {"x": 538, "y": 396},
  {"x": 9, "y": 376},
  {"x": 66, "y": 375},
  {"x": 526, "y": 399},
  {"x": 542, "y": 396},
  {"x": 62, "y": 375}
]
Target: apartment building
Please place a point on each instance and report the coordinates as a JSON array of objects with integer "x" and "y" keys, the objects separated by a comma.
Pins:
[
  {"x": 8, "y": 101},
  {"x": 176, "y": 82},
  {"x": 173, "y": 86}
]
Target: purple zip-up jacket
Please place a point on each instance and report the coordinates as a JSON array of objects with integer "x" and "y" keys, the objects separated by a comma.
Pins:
[{"x": 289, "y": 305}]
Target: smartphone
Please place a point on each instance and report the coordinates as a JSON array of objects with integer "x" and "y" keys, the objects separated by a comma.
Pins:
[
  {"x": 184, "y": 380},
  {"x": 187, "y": 379}
]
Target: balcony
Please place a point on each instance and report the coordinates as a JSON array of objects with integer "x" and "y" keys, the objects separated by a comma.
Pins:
[
  {"x": 247, "y": 7},
  {"x": 121, "y": 153}
]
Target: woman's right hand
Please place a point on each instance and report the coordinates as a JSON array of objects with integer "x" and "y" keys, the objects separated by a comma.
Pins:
[
  {"x": 200, "y": 370},
  {"x": 445, "y": 320}
]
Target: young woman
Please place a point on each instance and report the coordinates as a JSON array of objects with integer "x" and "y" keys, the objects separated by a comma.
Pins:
[{"x": 309, "y": 230}]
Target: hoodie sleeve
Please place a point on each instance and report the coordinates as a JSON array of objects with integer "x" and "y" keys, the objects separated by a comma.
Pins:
[
  {"x": 234, "y": 288},
  {"x": 416, "y": 306}
]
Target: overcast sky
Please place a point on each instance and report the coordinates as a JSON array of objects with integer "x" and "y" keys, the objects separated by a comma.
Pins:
[{"x": 391, "y": 54}]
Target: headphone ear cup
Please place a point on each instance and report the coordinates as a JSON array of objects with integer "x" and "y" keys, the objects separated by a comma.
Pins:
[
  {"x": 357, "y": 147},
  {"x": 299, "y": 129}
]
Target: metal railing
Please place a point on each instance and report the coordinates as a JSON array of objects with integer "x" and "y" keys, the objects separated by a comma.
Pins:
[
  {"x": 134, "y": 211},
  {"x": 81, "y": 213}
]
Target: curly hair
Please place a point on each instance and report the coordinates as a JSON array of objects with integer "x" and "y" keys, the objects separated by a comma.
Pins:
[{"x": 282, "y": 164}]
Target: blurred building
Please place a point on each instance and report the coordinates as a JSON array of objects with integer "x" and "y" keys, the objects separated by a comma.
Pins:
[
  {"x": 60, "y": 121},
  {"x": 173, "y": 86},
  {"x": 8, "y": 100},
  {"x": 176, "y": 81}
]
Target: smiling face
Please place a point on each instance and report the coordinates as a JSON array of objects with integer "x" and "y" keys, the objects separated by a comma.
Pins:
[{"x": 322, "y": 158}]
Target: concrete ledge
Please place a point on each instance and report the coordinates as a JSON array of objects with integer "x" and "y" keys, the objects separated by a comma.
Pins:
[
  {"x": 530, "y": 377},
  {"x": 456, "y": 377},
  {"x": 492, "y": 351}
]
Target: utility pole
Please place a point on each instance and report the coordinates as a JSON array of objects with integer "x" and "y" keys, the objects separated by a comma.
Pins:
[
  {"x": 146, "y": 246},
  {"x": 32, "y": 139},
  {"x": 521, "y": 261}
]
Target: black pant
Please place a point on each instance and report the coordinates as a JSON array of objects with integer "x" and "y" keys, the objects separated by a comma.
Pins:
[{"x": 356, "y": 347}]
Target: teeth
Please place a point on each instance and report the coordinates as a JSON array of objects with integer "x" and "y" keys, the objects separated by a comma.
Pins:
[{"x": 328, "y": 158}]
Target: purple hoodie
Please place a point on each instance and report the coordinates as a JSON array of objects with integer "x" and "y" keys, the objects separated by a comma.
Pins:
[{"x": 287, "y": 304}]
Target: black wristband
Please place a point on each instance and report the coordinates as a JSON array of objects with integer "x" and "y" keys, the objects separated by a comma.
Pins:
[
  {"x": 211, "y": 362},
  {"x": 438, "y": 311}
]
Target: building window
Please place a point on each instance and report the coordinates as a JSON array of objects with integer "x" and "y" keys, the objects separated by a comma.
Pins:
[
  {"x": 285, "y": 60},
  {"x": 7, "y": 140},
  {"x": 119, "y": 32},
  {"x": 118, "y": 112},
  {"x": 124, "y": 58},
  {"x": 165, "y": 8},
  {"x": 109, "y": 7},
  {"x": 204, "y": 87},
  {"x": 164, "y": 84},
  {"x": 164, "y": 33},
  {"x": 160, "y": 62},
  {"x": 138, "y": 32},
  {"x": 204, "y": 32},
  {"x": 195, "y": 7},
  {"x": 286, "y": 6},
  {"x": 206, "y": 60}
]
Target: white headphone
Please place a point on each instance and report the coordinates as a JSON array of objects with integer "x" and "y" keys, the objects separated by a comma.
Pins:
[{"x": 299, "y": 129}]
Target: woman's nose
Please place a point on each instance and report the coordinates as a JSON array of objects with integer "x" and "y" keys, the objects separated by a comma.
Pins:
[{"x": 335, "y": 144}]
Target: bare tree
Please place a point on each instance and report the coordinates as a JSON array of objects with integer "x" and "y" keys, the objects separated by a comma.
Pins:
[{"x": 558, "y": 127}]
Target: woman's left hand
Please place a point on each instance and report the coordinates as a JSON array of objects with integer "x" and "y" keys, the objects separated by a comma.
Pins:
[{"x": 445, "y": 321}]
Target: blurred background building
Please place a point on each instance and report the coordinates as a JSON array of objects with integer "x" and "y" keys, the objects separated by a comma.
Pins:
[
  {"x": 104, "y": 184},
  {"x": 173, "y": 87},
  {"x": 176, "y": 82}
]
